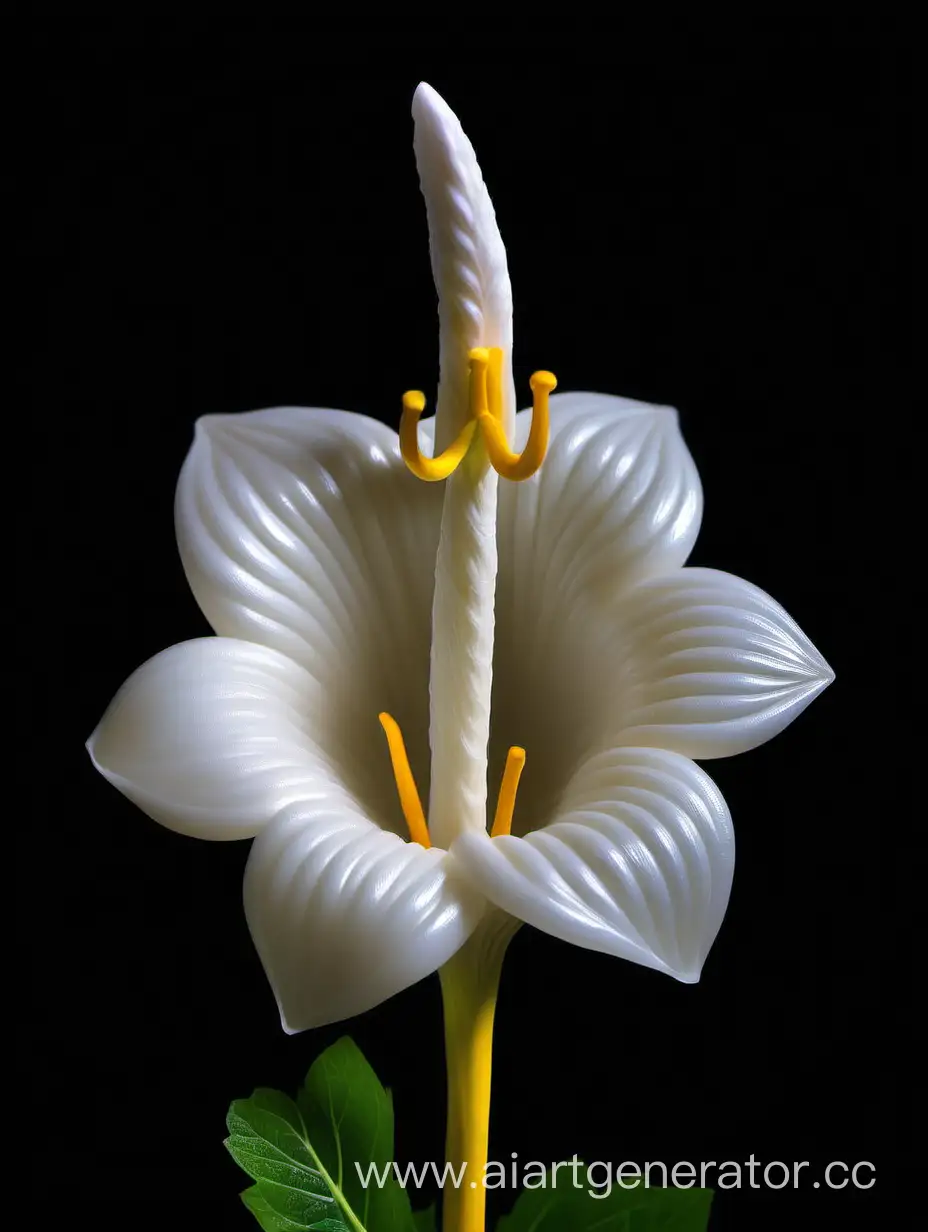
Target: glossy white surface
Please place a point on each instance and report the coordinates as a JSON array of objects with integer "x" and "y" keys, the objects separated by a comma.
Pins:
[
  {"x": 345, "y": 914},
  {"x": 468, "y": 259},
  {"x": 475, "y": 310},
  {"x": 637, "y": 861},
  {"x": 314, "y": 554}
]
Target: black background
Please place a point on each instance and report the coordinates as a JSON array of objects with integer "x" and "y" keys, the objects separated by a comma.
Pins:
[{"x": 703, "y": 217}]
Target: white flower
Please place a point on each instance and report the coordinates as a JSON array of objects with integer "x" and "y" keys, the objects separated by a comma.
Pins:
[{"x": 340, "y": 587}]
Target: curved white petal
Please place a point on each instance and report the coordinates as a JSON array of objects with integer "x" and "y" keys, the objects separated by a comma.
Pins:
[
  {"x": 637, "y": 862},
  {"x": 212, "y": 737},
  {"x": 345, "y": 915},
  {"x": 302, "y": 530},
  {"x": 617, "y": 499},
  {"x": 714, "y": 665}
]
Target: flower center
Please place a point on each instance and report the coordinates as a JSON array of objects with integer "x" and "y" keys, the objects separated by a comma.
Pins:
[
  {"x": 486, "y": 412},
  {"x": 462, "y": 788},
  {"x": 409, "y": 793}
]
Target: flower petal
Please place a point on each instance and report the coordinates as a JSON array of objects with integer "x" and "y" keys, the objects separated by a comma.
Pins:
[
  {"x": 345, "y": 915},
  {"x": 715, "y": 666},
  {"x": 637, "y": 862},
  {"x": 212, "y": 737},
  {"x": 617, "y": 499},
  {"x": 303, "y": 531}
]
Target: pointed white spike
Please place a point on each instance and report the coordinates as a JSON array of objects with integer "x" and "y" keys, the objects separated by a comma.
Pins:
[
  {"x": 468, "y": 259},
  {"x": 475, "y": 309}
]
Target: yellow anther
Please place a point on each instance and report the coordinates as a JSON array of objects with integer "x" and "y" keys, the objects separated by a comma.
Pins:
[
  {"x": 517, "y": 466},
  {"x": 430, "y": 469},
  {"x": 506, "y": 801},
  {"x": 405, "y": 783}
]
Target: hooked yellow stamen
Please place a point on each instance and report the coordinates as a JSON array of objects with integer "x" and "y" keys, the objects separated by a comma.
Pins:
[
  {"x": 430, "y": 469},
  {"x": 517, "y": 466},
  {"x": 405, "y": 783},
  {"x": 486, "y": 409},
  {"x": 506, "y": 802}
]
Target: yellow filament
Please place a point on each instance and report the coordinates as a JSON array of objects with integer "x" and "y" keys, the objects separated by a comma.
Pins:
[
  {"x": 517, "y": 466},
  {"x": 405, "y": 783},
  {"x": 409, "y": 793},
  {"x": 506, "y": 801},
  {"x": 486, "y": 409},
  {"x": 430, "y": 469}
]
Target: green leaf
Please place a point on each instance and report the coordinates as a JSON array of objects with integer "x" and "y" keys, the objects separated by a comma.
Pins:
[
  {"x": 349, "y": 1120},
  {"x": 267, "y": 1141},
  {"x": 302, "y": 1155},
  {"x": 269, "y": 1220},
  {"x": 425, "y": 1221},
  {"x": 560, "y": 1206}
]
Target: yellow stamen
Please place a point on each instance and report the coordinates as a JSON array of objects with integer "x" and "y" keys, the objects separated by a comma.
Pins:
[
  {"x": 409, "y": 793},
  {"x": 430, "y": 469},
  {"x": 486, "y": 409},
  {"x": 405, "y": 783},
  {"x": 506, "y": 801},
  {"x": 518, "y": 466}
]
